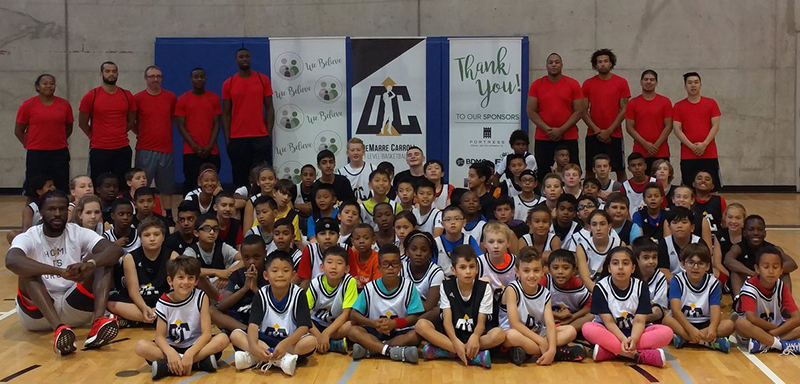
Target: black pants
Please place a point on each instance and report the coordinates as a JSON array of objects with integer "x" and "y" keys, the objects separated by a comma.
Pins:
[
  {"x": 244, "y": 153},
  {"x": 544, "y": 150},
  {"x": 690, "y": 167},
  {"x": 51, "y": 163},
  {"x": 116, "y": 161},
  {"x": 191, "y": 169}
]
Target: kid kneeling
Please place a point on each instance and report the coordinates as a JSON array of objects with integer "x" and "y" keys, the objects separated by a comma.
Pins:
[
  {"x": 463, "y": 332},
  {"x": 183, "y": 340},
  {"x": 279, "y": 321}
]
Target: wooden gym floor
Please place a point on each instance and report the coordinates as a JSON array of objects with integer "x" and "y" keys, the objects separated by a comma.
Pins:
[{"x": 29, "y": 357}]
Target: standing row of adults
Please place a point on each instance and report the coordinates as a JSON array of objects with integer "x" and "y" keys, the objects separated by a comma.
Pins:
[{"x": 556, "y": 102}]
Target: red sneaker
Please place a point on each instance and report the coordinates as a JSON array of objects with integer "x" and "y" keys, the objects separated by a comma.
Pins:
[
  {"x": 652, "y": 357},
  {"x": 103, "y": 330},
  {"x": 601, "y": 354},
  {"x": 64, "y": 341}
]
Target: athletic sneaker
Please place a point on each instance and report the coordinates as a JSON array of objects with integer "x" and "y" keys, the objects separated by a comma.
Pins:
[
  {"x": 103, "y": 330},
  {"x": 755, "y": 347},
  {"x": 575, "y": 353},
  {"x": 404, "y": 354},
  {"x": 678, "y": 341},
  {"x": 160, "y": 368},
  {"x": 339, "y": 346},
  {"x": 482, "y": 359},
  {"x": 244, "y": 360},
  {"x": 359, "y": 352},
  {"x": 720, "y": 344},
  {"x": 64, "y": 341},
  {"x": 601, "y": 354},
  {"x": 432, "y": 352},
  {"x": 209, "y": 364},
  {"x": 517, "y": 355},
  {"x": 288, "y": 364},
  {"x": 790, "y": 347},
  {"x": 653, "y": 357}
]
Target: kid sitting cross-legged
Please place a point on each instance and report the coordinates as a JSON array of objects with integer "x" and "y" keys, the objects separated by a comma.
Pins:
[
  {"x": 646, "y": 253},
  {"x": 330, "y": 297},
  {"x": 463, "y": 332},
  {"x": 218, "y": 260},
  {"x": 422, "y": 270},
  {"x": 571, "y": 300}
]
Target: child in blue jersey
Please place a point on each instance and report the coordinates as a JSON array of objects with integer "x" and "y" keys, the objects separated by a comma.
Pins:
[
  {"x": 279, "y": 321},
  {"x": 385, "y": 313},
  {"x": 330, "y": 297},
  {"x": 694, "y": 296},
  {"x": 453, "y": 222},
  {"x": 650, "y": 217}
]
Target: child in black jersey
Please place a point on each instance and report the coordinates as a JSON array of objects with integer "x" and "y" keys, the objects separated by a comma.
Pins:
[
  {"x": 741, "y": 259},
  {"x": 233, "y": 310}
]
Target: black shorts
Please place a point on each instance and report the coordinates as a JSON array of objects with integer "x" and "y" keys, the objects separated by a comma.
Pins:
[
  {"x": 690, "y": 167},
  {"x": 438, "y": 324},
  {"x": 701, "y": 326},
  {"x": 321, "y": 328},
  {"x": 544, "y": 150},
  {"x": 649, "y": 164},
  {"x": 615, "y": 150},
  {"x": 394, "y": 333}
]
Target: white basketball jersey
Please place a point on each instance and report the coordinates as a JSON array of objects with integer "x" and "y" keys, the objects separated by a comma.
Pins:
[
  {"x": 636, "y": 199},
  {"x": 195, "y": 196},
  {"x": 359, "y": 180},
  {"x": 279, "y": 323},
  {"x": 512, "y": 190},
  {"x": 296, "y": 254},
  {"x": 583, "y": 235},
  {"x": 657, "y": 285},
  {"x": 428, "y": 221},
  {"x": 498, "y": 278},
  {"x": 433, "y": 277},
  {"x": 596, "y": 257},
  {"x": 440, "y": 202},
  {"x": 368, "y": 217},
  {"x": 476, "y": 232},
  {"x": 133, "y": 240},
  {"x": 622, "y": 308},
  {"x": 571, "y": 299},
  {"x": 521, "y": 207},
  {"x": 390, "y": 306},
  {"x": 315, "y": 258},
  {"x": 767, "y": 307},
  {"x": 182, "y": 318},
  {"x": 530, "y": 308},
  {"x": 327, "y": 306},
  {"x": 37, "y": 216},
  {"x": 547, "y": 245},
  {"x": 674, "y": 253},
  {"x": 443, "y": 261},
  {"x": 695, "y": 301}
]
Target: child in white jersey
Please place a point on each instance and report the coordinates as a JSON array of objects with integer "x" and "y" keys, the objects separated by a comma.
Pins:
[
  {"x": 330, "y": 297},
  {"x": 419, "y": 267}
]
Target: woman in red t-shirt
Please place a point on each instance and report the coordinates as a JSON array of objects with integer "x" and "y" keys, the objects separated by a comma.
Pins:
[{"x": 44, "y": 123}]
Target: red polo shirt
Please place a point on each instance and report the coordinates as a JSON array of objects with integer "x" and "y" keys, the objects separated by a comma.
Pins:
[
  {"x": 199, "y": 112},
  {"x": 247, "y": 104},
  {"x": 109, "y": 117},
  {"x": 696, "y": 124},
  {"x": 604, "y": 96},
  {"x": 555, "y": 104},
  {"x": 154, "y": 115},
  {"x": 46, "y": 129},
  {"x": 648, "y": 118}
]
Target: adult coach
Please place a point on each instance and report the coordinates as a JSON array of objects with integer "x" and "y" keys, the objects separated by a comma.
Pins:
[
  {"x": 44, "y": 122},
  {"x": 197, "y": 114},
  {"x": 608, "y": 96},
  {"x": 555, "y": 104},
  {"x": 247, "y": 118},
  {"x": 155, "y": 108},
  {"x": 695, "y": 120},
  {"x": 65, "y": 274},
  {"x": 648, "y": 119},
  {"x": 106, "y": 115}
]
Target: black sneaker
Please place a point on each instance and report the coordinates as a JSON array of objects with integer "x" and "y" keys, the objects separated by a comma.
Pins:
[
  {"x": 574, "y": 353},
  {"x": 209, "y": 364},
  {"x": 160, "y": 369},
  {"x": 517, "y": 355}
]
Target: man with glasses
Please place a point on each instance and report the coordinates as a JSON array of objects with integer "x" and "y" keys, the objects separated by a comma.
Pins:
[{"x": 155, "y": 108}]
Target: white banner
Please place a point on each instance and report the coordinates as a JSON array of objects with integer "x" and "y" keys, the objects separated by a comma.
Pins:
[
  {"x": 388, "y": 97},
  {"x": 485, "y": 101},
  {"x": 309, "y": 81}
]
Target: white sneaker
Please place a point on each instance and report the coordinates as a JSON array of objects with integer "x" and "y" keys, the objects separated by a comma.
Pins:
[
  {"x": 244, "y": 360},
  {"x": 288, "y": 363}
]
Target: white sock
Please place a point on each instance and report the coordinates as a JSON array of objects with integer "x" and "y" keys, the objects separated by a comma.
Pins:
[
  {"x": 385, "y": 350},
  {"x": 776, "y": 344}
]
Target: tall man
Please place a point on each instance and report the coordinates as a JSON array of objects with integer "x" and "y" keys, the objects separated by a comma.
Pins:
[
  {"x": 555, "y": 104},
  {"x": 648, "y": 119},
  {"x": 155, "y": 108},
  {"x": 608, "y": 96},
  {"x": 247, "y": 118},
  {"x": 696, "y": 124},
  {"x": 106, "y": 115},
  {"x": 197, "y": 114},
  {"x": 65, "y": 273}
]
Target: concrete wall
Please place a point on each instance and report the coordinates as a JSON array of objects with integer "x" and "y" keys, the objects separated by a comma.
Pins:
[{"x": 745, "y": 51}]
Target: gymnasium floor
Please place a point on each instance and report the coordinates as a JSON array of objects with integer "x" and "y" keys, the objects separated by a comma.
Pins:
[{"x": 29, "y": 357}]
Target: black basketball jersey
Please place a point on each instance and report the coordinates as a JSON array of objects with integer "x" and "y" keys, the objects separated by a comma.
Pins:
[
  {"x": 748, "y": 256},
  {"x": 234, "y": 226},
  {"x": 625, "y": 232},
  {"x": 152, "y": 274},
  {"x": 652, "y": 228},
  {"x": 711, "y": 210},
  {"x": 465, "y": 313},
  {"x": 217, "y": 259}
]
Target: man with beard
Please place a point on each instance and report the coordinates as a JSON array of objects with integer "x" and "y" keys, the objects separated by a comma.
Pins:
[
  {"x": 555, "y": 104},
  {"x": 648, "y": 119},
  {"x": 608, "y": 95},
  {"x": 247, "y": 118},
  {"x": 64, "y": 275},
  {"x": 107, "y": 113},
  {"x": 197, "y": 114}
]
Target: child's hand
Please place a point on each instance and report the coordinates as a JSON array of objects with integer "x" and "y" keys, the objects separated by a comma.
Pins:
[
  {"x": 280, "y": 350},
  {"x": 122, "y": 241},
  {"x": 186, "y": 362},
  {"x": 473, "y": 345},
  {"x": 709, "y": 334},
  {"x": 323, "y": 343},
  {"x": 385, "y": 325},
  {"x": 460, "y": 351},
  {"x": 174, "y": 363},
  {"x": 149, "y": 315},
  {"x": 628, "y": 345},
  {"x": 262, "y": 353},
  {"x": 695, "y": 336},
  {"x": 223, "y": 274},
  {"x": 546, "y": 358}
]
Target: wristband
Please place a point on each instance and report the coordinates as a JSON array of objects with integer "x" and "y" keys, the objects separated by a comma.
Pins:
[{"x": 400, "y": 323}]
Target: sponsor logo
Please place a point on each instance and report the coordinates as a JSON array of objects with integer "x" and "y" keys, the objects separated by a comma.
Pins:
[
  {"x": 290, "y": 117},
  {"x": 289, "y": 65},
  {"x": 328, "y": 89},
  {"x": 389, "y": 119}
]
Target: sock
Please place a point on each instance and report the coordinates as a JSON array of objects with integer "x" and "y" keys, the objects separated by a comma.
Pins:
[
  {"x": 169, "y": 212},
  {"x": 385, "y": 350},
  {"x": 776, "y": 344}
]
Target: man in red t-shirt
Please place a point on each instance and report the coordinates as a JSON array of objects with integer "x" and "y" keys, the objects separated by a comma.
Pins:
[
  {"x": 44, "y": 122},
  {"x": 555, "y": 104},
  {"x": 197, "y": 114},
  {"x": 247, "y": 118},
  {"x": 648, "y": 119},
  {"x": 608, "y": 95},
  {"x": 155, "y": 108},
  {"x": 695, "y": 120},
  {"x": 106, "y": 115}
]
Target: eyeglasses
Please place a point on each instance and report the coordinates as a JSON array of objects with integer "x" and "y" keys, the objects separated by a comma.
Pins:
[
  {"x": 154, "y": 77},
  {"x": 586, "y": 206},
  {"x": 394, "y": 264},
  {"x": 452, "y": 219},
  {"x": 693, "y": 264},
  {"x": 208, "y": 228}
]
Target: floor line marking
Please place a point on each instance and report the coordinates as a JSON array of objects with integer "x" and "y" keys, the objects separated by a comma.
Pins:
[
  {"x": 19, "y": 373},
  {"x": 5, "y": 315},
  {"x": 349, "y": 372},
  {"x": 763, "y": 367},
  {"x": 678, "y": 368}
]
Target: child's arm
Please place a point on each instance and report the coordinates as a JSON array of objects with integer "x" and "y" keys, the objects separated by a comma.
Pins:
[
  {"x": 302, "y": 317},
  {"x": 27, "y": 218},
  {"x": 248, "y": 219},
  {"x": 230, "y": 296},
  {"x": 611, "y": 325},
  {"x": 303, "y": 275},
  {"x": 578, "y": 314},
  {"x": 789, "y": 265},
  {"x": 548, "y": 355},
  {"x": 583, "y": 268},
  {"x": 205, "y": 337},
  {"x": 358, "y": 319},
  {"x": 473, "y": 345},
  {"x": 173, "y": 358},
  {"x": 509, "y": 300},
  {"x": 303, "y": 208},
  {"x": 759, "y": 322},
  {"x": 447, "y": 322},
  {"x": 706, "y": 234},
  {"x": 717, "y": 258},
  {"x": 629, "y": 344},
  {"x": 788, "y": 325},
  {"x": 734, "y": 265},
  {"x": 132, "y": 285},
  {"x": 711, "y": 331}
]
